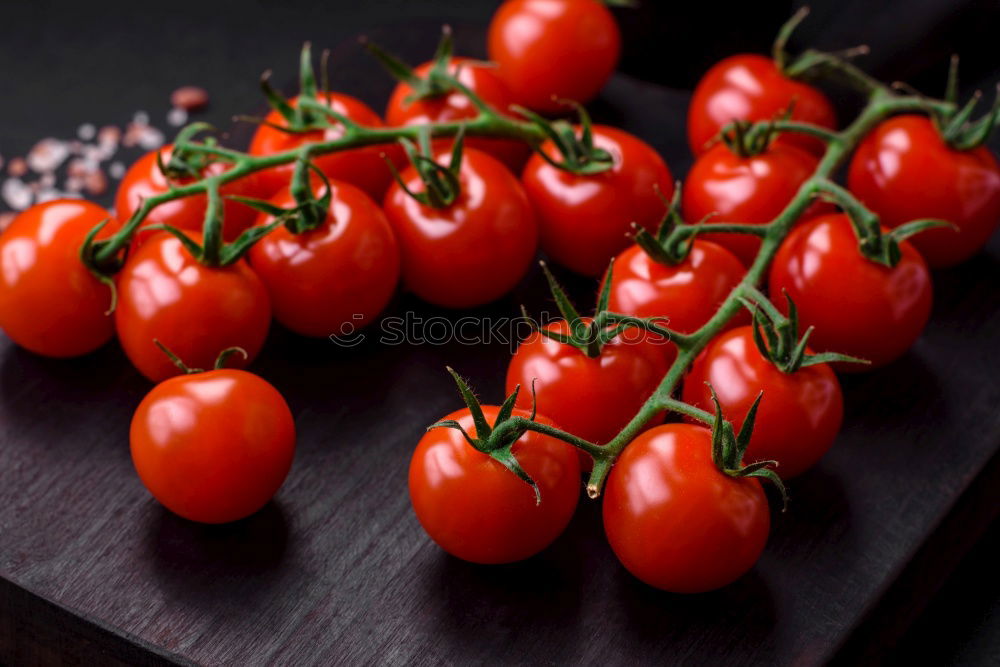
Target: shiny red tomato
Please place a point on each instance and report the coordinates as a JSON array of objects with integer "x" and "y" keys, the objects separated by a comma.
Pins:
[
  {"x": 584, "y": 219},
  {"x": 674, "y": 520},
  {"x": 904, "y": 171},
  {"x": 686, "y": 295},
  {"x": 195, "y": 311},
  {"x": 751, "y": 87},
  {"x": 336, "y": 278},
  {"x": 49, "y": 302},
  {"x": 799, "y": 414},
  {"x": 144, "y": 180},
  {"x": 858, "y": 307},
  {"x": 479, "y": 511},
  {"x": 565, "y": 49},
  {"x": 213, "y": 447},
  {"x": 363, "y": 167},
  {"x": 455, "y": 106},
  {"x": 591, "y": 397},
  {"x": 747, "y": 190},
  {"x": 473, "y": 251}
]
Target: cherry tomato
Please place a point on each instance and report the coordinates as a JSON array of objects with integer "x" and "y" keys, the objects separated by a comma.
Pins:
[
  {"x": 751, "y": 87},
  {"x": 686, "y": 296},
  {"x": 455, "y": 106},
  {"x": 747, "y": 190},
  {"x": 565, "y": 49},
  {"x": 333, "y": 279},
  {"x": 674, "y": 520},
  {"x": 363, "y": 167},
  {"x": 196, "y": 311},
  {"x": 213, "y": 447},
  {"x": 858, "y": 307},
  {"x": 479, "y": 511},
  {"x": 799, "y": 414},
  {"x": 584, "y": 219},
  {"x": 49, "y": 302},
  {"x": 144, "y": 180},
  {"x": 473, "y": 251},
  {"x": 904, "y": 171},
  {"x": 591, "y": 397}
]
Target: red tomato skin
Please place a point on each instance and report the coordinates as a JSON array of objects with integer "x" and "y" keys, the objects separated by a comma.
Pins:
[
  {"x": 526, "y": 37},
  {"x": 213, "y": 447},
  {"x": 334, "y": 279},
  {"x": 584, "y": 220},
  {"x": 363, "y": 167},
  {"x": 195, "y": 311},
  {"x": 477, "y": 510},
  {"x": 676, "y": 522},
  {"x": 592, "y": 398},
  {"x": 751, "y": 190},
  {"x": 49, "y": 302},
  {"x": 858, "y": 307},
  {"x": 904, "y": 171},
  {"x": 144, "y": 180},
  {"x": 455, "y": 106},
  {"x": 686, "y": 295},
  {"x": 472, "y": 252},
  {"x": 751, "y": 87},
  {"x": 799, "y": 414}
]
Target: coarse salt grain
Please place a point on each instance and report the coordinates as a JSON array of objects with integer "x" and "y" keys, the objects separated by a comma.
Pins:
[
  {"x": 189, "y": 98},
  {"x": 17, "y": 167},
  {"x": 16, "y": 194},
  {"x": 116, "y": 170},
  {"x": 96, "y": 183},
  {"x": 47, "y": 155},
  {"x": 86, "y": 132},
  {"x": 177, "y": 117}
]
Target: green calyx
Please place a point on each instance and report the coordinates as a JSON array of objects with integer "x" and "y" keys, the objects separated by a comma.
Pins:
[
  {"x": 309, "y": 211},
  {"x": 441, "y": 184},
  {"x": 439, "y": 80},
  {"x": 220, "y": 361},
  {"x": 729, "y": 447},
  {"x": 956, "y": 127},
  {"x": 577, "y": 152},
  {"x": 302, "y": 117},
  {"x": 673, "y": 239},
  {"x": 185, "y": 163},
  {"x": 746, "y": 138},
  {"x": 495, "y": 441},
  {"x": 102, "y": 272},
  {"x": 777, "y": 336}
]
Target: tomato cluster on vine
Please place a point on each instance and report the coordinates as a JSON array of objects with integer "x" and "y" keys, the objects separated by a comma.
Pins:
[{"x": 731, "y": 300}]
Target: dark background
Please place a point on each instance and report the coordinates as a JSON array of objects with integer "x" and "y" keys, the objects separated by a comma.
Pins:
[{"x": 62, "y": 64}]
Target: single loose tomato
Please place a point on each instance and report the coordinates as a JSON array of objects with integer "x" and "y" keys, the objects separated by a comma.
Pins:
[
  {"x": 584, "y": 219},
  {"x": 799, "y": 414},
  {"x": 591, "y": 397},
  {"x": 476, "y": 249},
  {"x": 685, "y": 295},
  {"x": 564, "y": 49},
  {"x": 478, "y": 510},
  {"x": 49, "y": 301},
  {"x": 144, "y": 180},
  {"x": 213, "y": 447},
  {"x": 676, "y": 521},
  {"x": 363, "y": 167},
  {"x": 751, "y": 87},
  {"x": 750, "y": 190},
  {"x": 903, "y": 170},
  {"x": 336, "y": 278},
  {"x": 859, "y": 308},
  {"x": 455, "y": 106},
  {"x": 196, "y": 311}
]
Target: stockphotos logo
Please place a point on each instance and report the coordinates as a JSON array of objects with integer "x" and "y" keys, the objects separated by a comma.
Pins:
[{"x": 414, "y": 329}]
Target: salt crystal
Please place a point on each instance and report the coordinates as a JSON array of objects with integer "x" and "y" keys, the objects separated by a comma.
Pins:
[
  {"x": 177, "y": 117},
  {"x": 140, "y": 118},
  {"x": 109, "y": 136},
  {"x": 96, "y": 183},
  {"x": 87, "y": 131},
  {"x": 117, "y": 170},
  {"x": 150, "y": 138},
  {"x": 74, "y": 184},
  {"x": 47, "y": 155},
  {"x": 16, "y": 193},
  {"x": 17, "y": 167},
  {"x": 189, "y": 98},
  {"x": 47, "y": 180}
]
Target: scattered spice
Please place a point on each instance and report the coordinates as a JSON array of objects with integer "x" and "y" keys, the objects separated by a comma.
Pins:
[{"x": 189, "y": 98}]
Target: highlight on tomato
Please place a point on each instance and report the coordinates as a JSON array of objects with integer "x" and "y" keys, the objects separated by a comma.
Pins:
[
  {"x": 166, "y": 294},
  {"x": 548, "y": 50},
  {"x": 213, "y": 446},
  {"x": 50, "y": 303},
  {"x": 491, "y": 496},
  {"x": 588, "y": 189},
  {"x": 466, "y": 231},
  {"x": 334, "y": 277},
  {"x": 859, "y": 307},
  {"x": 905, "y": 169}
]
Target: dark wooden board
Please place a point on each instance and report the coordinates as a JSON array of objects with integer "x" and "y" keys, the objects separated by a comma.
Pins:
[{"x": 337, "y": 569}]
